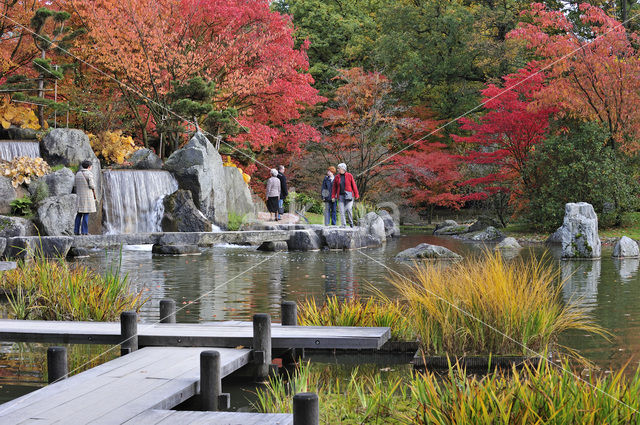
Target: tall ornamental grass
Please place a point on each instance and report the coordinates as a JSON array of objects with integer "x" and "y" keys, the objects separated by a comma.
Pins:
[
  {"x": 548, "y": 395},
  {"x": 488, "y": 306},
  {"x": 375, "y": 312},
  {"x": 52, "y": 289}
]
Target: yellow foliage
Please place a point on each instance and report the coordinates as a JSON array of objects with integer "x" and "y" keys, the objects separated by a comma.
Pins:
[
  {"x": 113, "y": 146},
  {"x": 19, "y": 116},
  {"x": 245, "y": 176},
  {"x": 22, "y": 169}
]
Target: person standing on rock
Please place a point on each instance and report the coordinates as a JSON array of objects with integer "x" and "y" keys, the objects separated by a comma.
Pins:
[
  {"x": 273, "y": 194},
  {"x": 85, "y": 189},
  {"x": 283, "y": 190},
  {"x": 329, "y": 204},
  {"x": 345, "y": 192}
]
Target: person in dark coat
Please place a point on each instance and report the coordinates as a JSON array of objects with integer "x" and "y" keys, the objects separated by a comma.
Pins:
[
  {"x": 325, "y": 192},
  {"x": 345, "y": 192},
  {"x": 283, "y": 190}
]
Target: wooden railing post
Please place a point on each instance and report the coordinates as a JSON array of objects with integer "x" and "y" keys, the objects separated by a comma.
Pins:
[
  {"x": 306, "y": 409},
  {"x": 57, "y": 365},
  {"x": 262, "y": 344},
  {"x": 128, "y": 332},
  {"x": 167, "y": 311}
]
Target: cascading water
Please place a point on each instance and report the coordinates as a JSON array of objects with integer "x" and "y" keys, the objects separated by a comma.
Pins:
[
  {"x": 132, "y": 200},
  {"x": 10, "y": 149}
]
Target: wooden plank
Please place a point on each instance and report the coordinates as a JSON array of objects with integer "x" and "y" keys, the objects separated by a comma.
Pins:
[
  {"x": 221, "y": 334},
  {"x": 218, "y": 418},
  {"x": 145, "y": 379}
]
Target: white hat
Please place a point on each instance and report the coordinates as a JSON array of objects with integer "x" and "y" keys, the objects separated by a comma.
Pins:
[{"x": 343, "y": 166}]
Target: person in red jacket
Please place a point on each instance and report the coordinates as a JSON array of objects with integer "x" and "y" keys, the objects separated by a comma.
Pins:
[{"x": 345, "y": 191}]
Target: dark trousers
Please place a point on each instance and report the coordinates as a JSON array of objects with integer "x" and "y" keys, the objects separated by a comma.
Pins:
[{"x": 82, "y": 224}]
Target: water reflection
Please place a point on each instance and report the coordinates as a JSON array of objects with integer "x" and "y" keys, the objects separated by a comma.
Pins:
[
  {"x": 627, "y": 268},
  {"x": 581, "y": 282}
]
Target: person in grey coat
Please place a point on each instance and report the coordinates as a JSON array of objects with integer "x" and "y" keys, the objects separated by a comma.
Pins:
[
  {"x": 85, "y": 189},
  {"x": 274, "y": 190}
]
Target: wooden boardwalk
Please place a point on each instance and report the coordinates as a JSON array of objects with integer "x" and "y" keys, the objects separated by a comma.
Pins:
[
  {"x": 138, "y": 388},
  {"x": 213, "y": 334}
]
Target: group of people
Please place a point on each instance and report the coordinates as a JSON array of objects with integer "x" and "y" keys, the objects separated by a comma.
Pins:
[
  {"x": 276, "y": 192},
  {"x": 339, "y": 191}
]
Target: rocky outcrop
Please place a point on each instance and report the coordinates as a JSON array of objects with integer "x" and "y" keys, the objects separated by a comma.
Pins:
[
  {"x": 56, "y": 215},
  {"x": 175, "y": 250},
  {"x": 304, "y": 240},
  {"x": 145, "y": 159},
  {"x": 391, "y": 228},
  {"x": 277, "y": 246},
  {"x": 452, "y": 228},
  {"x": 70, "y": 147},
  {"x": 509, "y": 244},
  {"x": 46, "y": 246},
  {"x": 16, "y": 226},
  {"x": 482, "y": 223},
  {"x": 239, "y": 199},
  {"x": 7, "y": 194},
  {"x": 427, "y": 251},
  {"x": 373, "y": 225},
  {"x": 182, "y": 215},
  {"x": 489, "y": 234},
  {"x": 198, "y": 169},
  {"x": 58, "y": 183},
  {"x": 580, "y": 231},
  {"x": 626, "y": 247}
]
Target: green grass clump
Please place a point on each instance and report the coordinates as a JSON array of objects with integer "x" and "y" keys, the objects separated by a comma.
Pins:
[
  {"x": 235, "y": 221},
  {"x": 374, "y": 312},
  {"x": 44, "y": 289},
  {"x": 547, "y": 395},
  {"x": 486, "y": 306}
]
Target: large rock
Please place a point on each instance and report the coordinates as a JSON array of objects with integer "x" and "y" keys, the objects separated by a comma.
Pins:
[
  {"x": 46, "y": 246},
  {"x": 509, "y": 244},
  {"x": 348, "y": 238},
  {"x": 391, "y": 228},
  {"x": 239, "y": 199},
  {"x": 455, "y": 229},
  {"x": 175, "y": 249},
  {"x": 482, "y": 223},
  {"x": 373, "y": 225},
  {"x": 7, "y": 194},
  {"x": 70, "y": 147},
  {"x": 427, "y": 251},
  {"x": 16, "y": 226},
  {"x": 304, "y": 240},
  {"x": 488, "y": 234},
  {"x": 56, "y": 215},
  {"x": 198, "y": 169},
  {"x": 145, "y": 159},
  {"x": 58, "y": 183},
  {"x": 556, "y": 237},
  {"x": 277, "y": 246},
  {"x": 626, "y": 247},
  {"x": 580, "y": 231},
  {"x": 18, "y": 133},
  {"x": 182, "y": 215},
  {"x": 446, "y": 223}
]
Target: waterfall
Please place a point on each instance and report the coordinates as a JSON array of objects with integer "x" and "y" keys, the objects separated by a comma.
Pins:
[
  {"x": 10, "y": 149},
  {"x": 132, "y": 200}
]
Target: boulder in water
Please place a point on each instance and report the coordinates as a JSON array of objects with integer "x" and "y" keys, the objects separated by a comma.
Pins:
[
  {"x": 70, "y": 147},
  {"x": 277, "y": 246},
  {"x": 304, "y": 240},
  {"x": 452, "y": 229},
  {"x": 427, "y": 251},
  {"x": 175, "y": 249},
  {"x": 7, "y": 194},
  {"x": 78, "y": 252},
  {"x": 482, "y": 223},
  {"x": 580, "y": 231},
  {"x": 145, "y": 159},
  {"x": 56, "y": 215},
  {"x": 626, "y": 247},
  {"x": 488, "y": 234},
  {"x": 181, "y": 214},
  {"x": 391, "y": 228},
  {"x": 16, "y": 226},
  {"x": 509, "y": 244},
  {"x": 47, "y": 246},
  {"x": 239, "y": 199},
  {"x": 373, "y": 225},
  {"x": 198, "y": 168}
]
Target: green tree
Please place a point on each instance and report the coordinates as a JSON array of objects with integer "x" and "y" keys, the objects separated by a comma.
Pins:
[{"x": 576, "y": 165}]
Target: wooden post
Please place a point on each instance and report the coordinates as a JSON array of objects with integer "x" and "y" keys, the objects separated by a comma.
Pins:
[
  {"x": 306, "y": 409},
  {"x": 128, "y": 332},
  {"x": 167, "y": 311},
  {"x": 57, "y": 363},
  {"x": 262, "y": 344},
  {"x": 210, "y": 380},
  {"x": 289, "y": 315}
]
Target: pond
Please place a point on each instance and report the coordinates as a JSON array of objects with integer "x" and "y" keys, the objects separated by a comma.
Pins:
[{"x": 232, "y": 283}]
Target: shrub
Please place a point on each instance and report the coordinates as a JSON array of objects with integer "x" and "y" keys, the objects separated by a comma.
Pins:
[
  {"x": 486, "y": 306},
  {"x": 235, "y": 221},
  {"x": 112, "y": 146},
  {"x": 22, "y": 206},
  {"x": 578, "y": 165},
  {"x": 303, "y": 200},
  {"x": 19, "y": 116},
  {"x": 22, "y": 169}
]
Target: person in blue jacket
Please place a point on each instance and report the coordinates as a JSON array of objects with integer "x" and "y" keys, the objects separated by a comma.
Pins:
[{"x": 329, "y": 204}]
